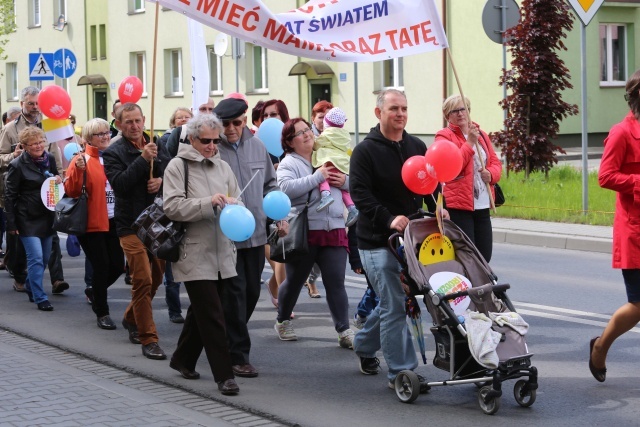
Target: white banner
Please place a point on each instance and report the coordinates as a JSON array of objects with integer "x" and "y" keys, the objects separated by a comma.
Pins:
[
  {"x": 328, "y": 30},
  {"x": 199, "y": 65}
]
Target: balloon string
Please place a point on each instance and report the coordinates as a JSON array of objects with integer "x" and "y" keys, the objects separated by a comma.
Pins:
[{"x": 245, "y": 187}]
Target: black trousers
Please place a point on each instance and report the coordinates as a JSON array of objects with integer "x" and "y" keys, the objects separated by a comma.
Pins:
[
  {"x": 240, "y": 299},
  {"x": 204, "y": 328},
  {"x": 476, "y": 225},
  {"x": 104, "y": 252},
  {"x": 55, "y": 260}
]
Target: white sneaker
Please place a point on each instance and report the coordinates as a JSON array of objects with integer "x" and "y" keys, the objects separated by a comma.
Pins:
[
  {"x": 285, "y": 331},
  {"x": 345, "y": 339},
  {"x": 358, "y": 321}
]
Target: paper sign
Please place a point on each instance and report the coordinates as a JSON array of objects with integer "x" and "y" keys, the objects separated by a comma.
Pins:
[
  {"x": 51, "y": 193},
  {"x": 447, "y": 282}
]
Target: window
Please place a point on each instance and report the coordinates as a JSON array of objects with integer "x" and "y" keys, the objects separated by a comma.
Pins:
[
  {"x": 94, "y": 42},
  {"x": 59, "y": 8},
  {"x": 257, "y": 60},
  {"x": 103, "y": 41},
  {"x": 392, "y": 74},
  {"x": 136, "y": 6},
  {"x": 139, "y": 69},
  {"x": 34, "y": 13},
  {"x": 215, "y": 72},
  {"x": 173, "y": 71},
  {"x": 12, "y": 81},
  {"x": 613, "y": 54}
]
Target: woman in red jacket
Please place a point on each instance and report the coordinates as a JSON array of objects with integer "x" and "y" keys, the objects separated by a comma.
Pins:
[
  {"x": 100, "y": 244},
  {"x": 467, "y": 197},
  {"x": 620, "y": 172}
]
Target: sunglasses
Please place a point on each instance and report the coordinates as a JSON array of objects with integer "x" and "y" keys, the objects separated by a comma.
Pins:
[
  {"x": 236, "y": 122},
  {"x": 267, "y": 115},
  {"x": 459, "y": 110},
  {"x": 207, "y": 141}
]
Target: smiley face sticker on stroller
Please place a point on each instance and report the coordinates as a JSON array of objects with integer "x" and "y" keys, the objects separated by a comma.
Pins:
[{"x": 479, "y": 337}]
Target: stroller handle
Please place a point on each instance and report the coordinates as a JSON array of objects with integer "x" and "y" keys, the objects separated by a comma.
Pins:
[
  {"x": 495, "y": 288},
  {"x": 394, "y": 240}
]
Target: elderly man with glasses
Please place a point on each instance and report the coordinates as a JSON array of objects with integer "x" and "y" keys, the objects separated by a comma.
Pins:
[
  {"x": 15, "y": 259},
  {"x": 252, "y": 166}
]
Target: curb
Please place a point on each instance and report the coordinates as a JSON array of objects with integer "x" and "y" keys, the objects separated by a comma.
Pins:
[{"x": 548, "y": 240}]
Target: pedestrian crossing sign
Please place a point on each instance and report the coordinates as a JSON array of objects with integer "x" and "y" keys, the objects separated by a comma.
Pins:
[
  {"x": 40, "y": 66},
  {"x": 586, "y": 9}
]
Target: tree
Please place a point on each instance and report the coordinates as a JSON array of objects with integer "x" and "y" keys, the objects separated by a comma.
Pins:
[
  {"x": 7, "y": 23},
  {"x": 535, "y": 82}
]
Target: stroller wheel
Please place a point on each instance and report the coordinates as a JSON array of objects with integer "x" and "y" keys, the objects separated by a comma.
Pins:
[
  {"x": 524, "y": 397},
  {"x": 491, "y": 405},
  {"x": 407, "y": 386}
]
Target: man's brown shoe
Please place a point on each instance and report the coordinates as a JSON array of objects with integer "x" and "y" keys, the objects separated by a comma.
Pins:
[
  {"x": 228, "y": 387},
  {"x": 59, "y": 286},
  {"x": 247, "y": 370}
]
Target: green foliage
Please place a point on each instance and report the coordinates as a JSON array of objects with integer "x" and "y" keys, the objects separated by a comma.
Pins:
[
  {"x": 536, "y": 79},
  {"x": 556, "y": 198},
  {"x": 7, "y": 23}
]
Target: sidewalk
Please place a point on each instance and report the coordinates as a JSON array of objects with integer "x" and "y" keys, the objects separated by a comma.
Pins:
[
  {"x": 592, "y": 238},
  {"x": 42, "y": 385}
]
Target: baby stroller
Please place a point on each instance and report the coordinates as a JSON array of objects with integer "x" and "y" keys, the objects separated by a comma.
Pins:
[{"x": 451, "y": 330}]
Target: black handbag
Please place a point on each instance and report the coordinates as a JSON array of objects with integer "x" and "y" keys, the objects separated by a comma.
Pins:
[
  {"x": 499, "y": 199},
  {"x": 159, "y": 234},
  {"x": 295, "y": 245},
  {"x": 71, "y": 213}
]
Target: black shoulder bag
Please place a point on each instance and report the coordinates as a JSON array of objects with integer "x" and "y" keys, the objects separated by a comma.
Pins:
[
  {"x": 295, "y": 244},
  {"x": 160, "y": 235},
  {"x": 71, "y": 213}
]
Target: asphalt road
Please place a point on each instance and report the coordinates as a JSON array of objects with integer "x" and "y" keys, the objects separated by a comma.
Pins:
[{"x": 566, "y": 296}]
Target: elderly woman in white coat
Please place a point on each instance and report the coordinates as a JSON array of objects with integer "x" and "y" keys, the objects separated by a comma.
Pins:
[{"x": 207, "y": 257}]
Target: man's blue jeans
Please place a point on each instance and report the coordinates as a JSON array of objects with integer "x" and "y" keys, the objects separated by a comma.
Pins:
[
  {"x": 38, "y": 250},
  {"x": 386, "y": 327}
]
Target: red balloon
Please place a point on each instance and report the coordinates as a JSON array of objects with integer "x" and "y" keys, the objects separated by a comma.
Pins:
[
  {"x": 54, "y": 102},
  {"x": 416, "y": 178},
  {"x": 444, "y": 160},
  {"x": 130, "y": 89}
]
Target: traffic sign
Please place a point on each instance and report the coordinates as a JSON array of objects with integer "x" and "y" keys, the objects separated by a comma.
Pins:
[
  {"x": 40, "y": 66},
  {"x": 493, "y": 16},
  {"x": 586, "y": 9},
  {"x": 64, "y": 63}
]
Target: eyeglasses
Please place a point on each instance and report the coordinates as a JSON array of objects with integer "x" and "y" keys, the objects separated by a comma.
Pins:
[
  {"x": 207, "y": 141},
  {"x": 301, "y": 132},
  {"x": 267, "y": 115},
  {"x": 459, "y": 110},
  {"x": 236, "y": 122},
  {"x": 102, "y": 134}
]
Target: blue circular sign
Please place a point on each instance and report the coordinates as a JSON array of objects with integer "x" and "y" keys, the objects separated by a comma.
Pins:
[{"x": 64, "y": 63}]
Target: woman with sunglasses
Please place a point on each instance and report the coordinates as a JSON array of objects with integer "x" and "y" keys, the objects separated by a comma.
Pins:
[
  {"x": 101, "y": 244},
  {"x": 327, "y": 235},
  {"x": 207, "y": 257},
  {"x": 467, "y": 196}
]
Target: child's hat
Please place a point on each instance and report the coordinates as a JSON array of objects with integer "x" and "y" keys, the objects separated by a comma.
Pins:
[{"x": 335, "y": 118}]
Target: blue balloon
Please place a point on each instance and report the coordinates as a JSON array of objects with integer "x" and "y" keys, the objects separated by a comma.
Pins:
[
  {"x": 270, "y": 133},
  {"x": 276, "y": 205},
  {"x": 70, "y": 150},
  {"x": 237, "y": 222}
]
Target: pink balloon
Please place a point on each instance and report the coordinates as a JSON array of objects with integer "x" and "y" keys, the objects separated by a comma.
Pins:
[
  {"x": 130, "y": 90},
  {"x": 54, "y": 102},
  {"x": 444, "y": 160},
  {"x": 416, "y": 178}
]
